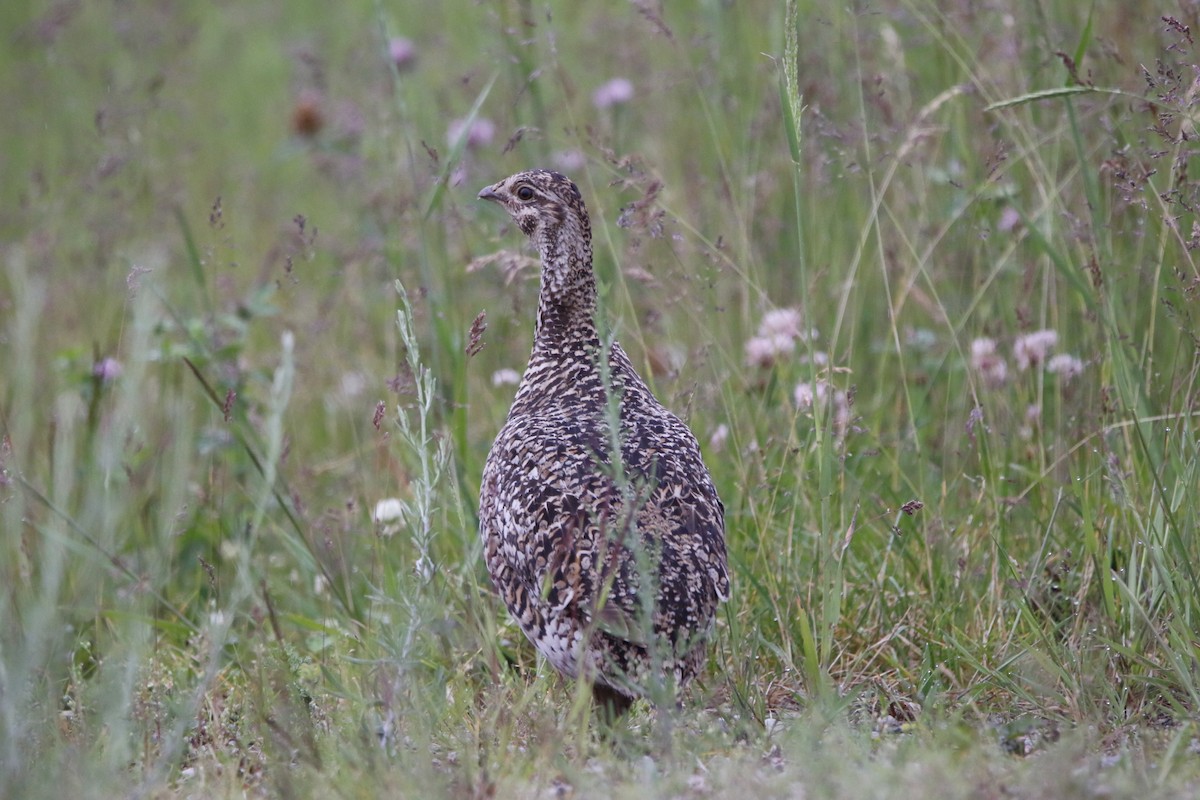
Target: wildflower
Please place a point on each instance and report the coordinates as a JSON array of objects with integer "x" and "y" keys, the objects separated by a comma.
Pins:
[
  {"x": 777, "y": 335},
  {"x": 1065, "y": 366},
  {"x": 988, "y": 363},
  {"x": 781, "y": 322},
  {"x": 107, "y": 370},
  {"x": 389, "y": 514},
  {"x": 616, "y": 92},
  {"x": 1031, "y": 349},
  {"x": 808, "y": 396},
  {"x": 764, "y": 351},
  {"x": 1033, "y": 417},
  {"x": 479, "y": 134},
  {"x": 569, "y": 160},
  {"x": 402, "y": 52},
  {"x": 503, "y": 377},
  {"x": 1009, "y": 218},
  {"x": 717, "y": 440}
]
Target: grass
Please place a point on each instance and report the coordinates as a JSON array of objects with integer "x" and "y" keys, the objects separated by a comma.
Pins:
[{"x": 945, "y": 575}]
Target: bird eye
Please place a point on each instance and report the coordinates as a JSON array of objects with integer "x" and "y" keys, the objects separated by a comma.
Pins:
[{"x": 525, "y": 193}]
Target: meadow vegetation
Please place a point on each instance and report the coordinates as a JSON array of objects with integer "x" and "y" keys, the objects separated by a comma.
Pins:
[{"x": 920, "y": 275}]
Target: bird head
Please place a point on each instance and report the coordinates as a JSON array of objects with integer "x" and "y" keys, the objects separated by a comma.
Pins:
[{"x": 541, "y": 203}]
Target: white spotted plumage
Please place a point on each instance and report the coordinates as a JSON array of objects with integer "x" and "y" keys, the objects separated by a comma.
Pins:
[{"x": 568, "y": 542}]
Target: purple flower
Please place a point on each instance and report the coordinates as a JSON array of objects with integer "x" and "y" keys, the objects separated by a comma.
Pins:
[
  {"x": 569, "y": 160},
  {"x": 402, "y": 52},
  {"x": 107, "y": 370},
  {"x": 479, "y": 134},
  {"x": 988, "y": 363},
  {"x": 1031, "y": 349},
  {"x": 1065, "y": 366},
  {"x": 616, "y": 92}
]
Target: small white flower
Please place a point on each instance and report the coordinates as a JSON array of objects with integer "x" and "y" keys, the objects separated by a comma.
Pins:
[
  {"x": 1065, "y": 366},
  {"x": 389, "y": 515},
  {"x": 389, "y": 509},
  {"x": 504, "y": 377},
  {"x": 1031, "y": 349}
]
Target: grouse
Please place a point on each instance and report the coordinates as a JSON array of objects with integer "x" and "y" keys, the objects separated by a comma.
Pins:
[{"x": 607, "y": 546}]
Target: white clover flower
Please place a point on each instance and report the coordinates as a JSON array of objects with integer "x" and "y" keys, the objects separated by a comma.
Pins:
[{"x": 1031, "y": 349}]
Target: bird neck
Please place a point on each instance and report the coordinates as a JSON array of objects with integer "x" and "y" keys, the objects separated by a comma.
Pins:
[{"x": 567, "y": 298}]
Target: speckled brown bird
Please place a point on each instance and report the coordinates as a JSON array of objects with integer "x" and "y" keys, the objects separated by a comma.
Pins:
[{"x": 613, "y": 567}]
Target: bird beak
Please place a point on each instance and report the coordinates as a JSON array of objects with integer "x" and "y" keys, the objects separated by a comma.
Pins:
[{"x": 489, "y": 193}]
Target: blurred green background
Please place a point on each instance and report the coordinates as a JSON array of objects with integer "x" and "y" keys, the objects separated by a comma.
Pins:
[{"x": 946, "y": 547}]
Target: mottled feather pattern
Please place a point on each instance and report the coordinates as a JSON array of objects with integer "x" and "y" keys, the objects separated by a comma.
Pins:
[{"x": 569, "y": 533}]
